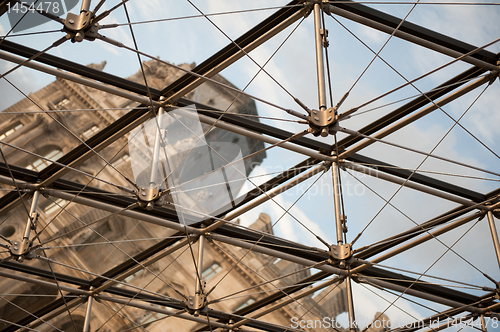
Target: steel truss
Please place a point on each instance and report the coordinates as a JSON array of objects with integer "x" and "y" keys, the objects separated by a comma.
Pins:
[{"x": 347, "y": 154}]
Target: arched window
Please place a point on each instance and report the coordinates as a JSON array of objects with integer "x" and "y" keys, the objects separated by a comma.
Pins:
[{"x": 39, "y": 163}]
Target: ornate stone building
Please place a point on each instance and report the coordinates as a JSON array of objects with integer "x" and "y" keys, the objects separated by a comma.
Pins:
[{"x": 88, "y": 242}]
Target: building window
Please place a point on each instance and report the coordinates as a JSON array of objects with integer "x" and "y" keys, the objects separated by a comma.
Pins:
[
  {"x": 90, "y": 132},
  {"x": 54, "y": 206},
  {"x": 62, "y": 104},
  {"x": 123, "y": 160},
  {"x": 150, "y": 316},
  {"x": 245, "y": 304},
  {"x": 11, "y": 130},
  {"x": 211, "y": 271},
  {"x": 40, "y": 163}
]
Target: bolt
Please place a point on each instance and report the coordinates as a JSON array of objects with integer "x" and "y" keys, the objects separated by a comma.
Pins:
[
  {"x": 330, "y": 111},
  {"x": 329, "y": 118},
  {"x": 15, "y": 248},
  {"x": 71, "y": 21},
  {"x": 15, "y": 243},
  {"x": 315, "y": 112},
  {"x": 143, "y": 193},
  {"x": 316, "y": 118}
]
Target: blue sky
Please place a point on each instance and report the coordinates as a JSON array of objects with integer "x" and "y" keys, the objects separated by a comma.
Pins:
[{"x": 195, "y": 39}]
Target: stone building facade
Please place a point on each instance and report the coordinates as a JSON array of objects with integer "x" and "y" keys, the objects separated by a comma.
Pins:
[{"x": 87, "y": 242}]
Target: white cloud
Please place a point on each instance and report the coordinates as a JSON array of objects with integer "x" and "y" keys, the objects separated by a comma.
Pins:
[
  {"x": 286, "y": 225},
  {"x": 22, "y": 78},
  {"x": 374, "y": 37},
  {"x": 368, "y": 301}
]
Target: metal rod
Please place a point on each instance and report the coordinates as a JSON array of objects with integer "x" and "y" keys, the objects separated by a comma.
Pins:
[
  {"x": 406, "y": 121},
  {"x": 32, "y": 215},
  {"x": 58, "y": 311},
  {"x": 217, "y": 237},
  {"x": 85, "y": 6},
  {"x": 246, "y": 245},
  {"x": 443, "y": 326},
  {"x": 86, "y": 324},
  {"x": 199, "y": 272},
  {"x": 221, "y": 65},
  {"x": 265, "y": 197},
  {"x": 320, "y": 66},
  {"x": 44, "y": 283},
  {"x": 483, "y": 323},
  {"x": 411, "y": 38},
  {"x": 413, "y": 185},
  {"x": 494, "y": 235},
  {"x": 491, "y": 308},
  {"x": 331, "y": 269},
  {"x": 248, "y": 133},
  {"x": 336, "y": 201},
  {"x": 147, "y": 306},
  {"x": 128, "y": 213},
  {"x": 431, "y": 320},
  {"x": 350, "y": 305},
  {"x": 141, "y": 266},
  {"x": 290, "y": 299},
  {"x": 30, "y": 223},
  {"x": 420, "y": 294},
  {"x": 416, "y": 242},
  {"x": 319, "y": 33},
  {"x": 156, "y": 148},
  {"x": 425, "y": 238},
  {"x": 277, "y": 254},
  {"x": 78, "y": 79}
]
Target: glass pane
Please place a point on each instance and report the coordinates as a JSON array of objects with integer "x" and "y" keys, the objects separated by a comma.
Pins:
[{"x": 202, "y": 175}]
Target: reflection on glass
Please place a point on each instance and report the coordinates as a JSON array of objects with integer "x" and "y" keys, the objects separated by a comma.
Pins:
[{"x": 202, "y": 176}]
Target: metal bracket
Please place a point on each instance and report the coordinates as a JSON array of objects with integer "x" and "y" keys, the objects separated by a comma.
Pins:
[
  {"x": 146, "y": 197},
  {"x": 323, "y": 122},
  {"x": 92, "y": 33},
  {"x": 81, "y": 26},
  {"x": 197, "y": 303},
  {"x": 34, "y": 220},
  {"x": 76, "y": 24},
  {"x": 344, "y": 223},
  {"x": 340, "y": 252},
  {"x": 324, "y": 34},
  {"x": 21, "y": 250}
]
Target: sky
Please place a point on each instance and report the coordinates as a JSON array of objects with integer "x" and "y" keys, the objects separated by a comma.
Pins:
[{"x": 193, "y": 39}]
